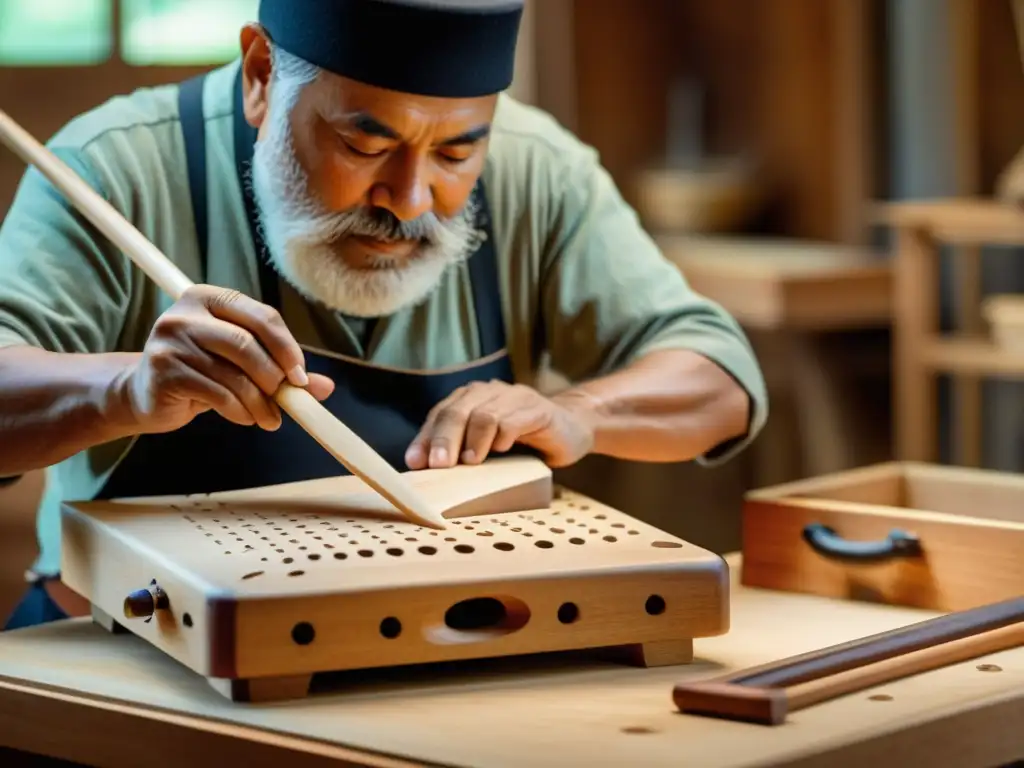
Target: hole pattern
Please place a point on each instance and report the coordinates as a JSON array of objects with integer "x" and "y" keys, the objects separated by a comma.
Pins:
[{"x": 266, "y": 541}]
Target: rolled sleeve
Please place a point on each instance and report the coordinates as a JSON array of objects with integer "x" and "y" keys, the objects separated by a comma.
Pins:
[{"x": 610, "y": 296}]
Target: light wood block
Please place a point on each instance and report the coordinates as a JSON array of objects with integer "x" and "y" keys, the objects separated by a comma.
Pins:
[
  {"x": 262, "y": 589},
  {"x": 927, "y": 536}
]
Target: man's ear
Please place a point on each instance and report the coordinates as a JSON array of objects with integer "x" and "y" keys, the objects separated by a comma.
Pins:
[{"x": 256, "y": 72}]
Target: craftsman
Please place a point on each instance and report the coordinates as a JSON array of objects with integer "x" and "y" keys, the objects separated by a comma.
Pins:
[{"x": 366, "y": 214}]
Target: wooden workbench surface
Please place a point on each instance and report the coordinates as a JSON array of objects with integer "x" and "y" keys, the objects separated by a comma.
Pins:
[{"x": 75, "y": 692}]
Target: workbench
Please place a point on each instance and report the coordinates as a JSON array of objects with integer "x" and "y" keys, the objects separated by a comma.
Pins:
[{"x": 70, "y": 690}]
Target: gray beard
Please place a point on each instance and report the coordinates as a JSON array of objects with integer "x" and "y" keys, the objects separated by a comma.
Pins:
[{"x": 300, "y": 237}]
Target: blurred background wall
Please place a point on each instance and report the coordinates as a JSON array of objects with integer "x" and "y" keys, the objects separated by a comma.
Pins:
[{"x": 754, "y": 139}]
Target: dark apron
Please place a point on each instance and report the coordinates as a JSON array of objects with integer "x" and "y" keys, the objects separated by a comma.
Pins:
[{"x": 385, "y": 407}]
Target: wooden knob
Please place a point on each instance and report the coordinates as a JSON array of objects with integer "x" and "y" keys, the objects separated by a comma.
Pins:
[{"x": 143, "y": 603}]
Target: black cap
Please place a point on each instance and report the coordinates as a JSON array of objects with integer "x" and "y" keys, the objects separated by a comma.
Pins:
[{"x": 450, "y": 48}]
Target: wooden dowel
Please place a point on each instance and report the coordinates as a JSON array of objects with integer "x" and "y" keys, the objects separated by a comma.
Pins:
[
  {"x": 867, "y": 650},
  {"x": 934, "y": 657},
  {"x": 341, "y": 442}
]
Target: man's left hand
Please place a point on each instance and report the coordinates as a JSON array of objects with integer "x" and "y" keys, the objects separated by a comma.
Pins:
[{"x": 484, "y": 418}]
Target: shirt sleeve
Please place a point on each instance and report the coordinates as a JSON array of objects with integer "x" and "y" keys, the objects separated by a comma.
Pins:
[
  {"x": 611, "y": 296},
  {"x": 65, "y": 288}
]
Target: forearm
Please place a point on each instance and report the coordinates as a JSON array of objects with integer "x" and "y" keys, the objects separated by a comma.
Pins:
[
  {"x": 54, "y": 405},
  {"x": 670, "y": 405}
]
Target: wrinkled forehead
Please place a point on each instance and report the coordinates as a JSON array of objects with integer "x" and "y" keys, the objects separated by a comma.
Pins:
[
  {"x": 447, "y": 49},
  {"x": 393, "y": 114}
]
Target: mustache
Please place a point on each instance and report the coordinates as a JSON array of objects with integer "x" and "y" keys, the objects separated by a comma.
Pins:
[{"x": 382, "y": 224}]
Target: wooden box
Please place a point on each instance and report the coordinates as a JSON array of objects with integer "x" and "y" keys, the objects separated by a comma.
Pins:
[
  {"x": 902, "y": 533},
  {"x": 260, "y": 590}
]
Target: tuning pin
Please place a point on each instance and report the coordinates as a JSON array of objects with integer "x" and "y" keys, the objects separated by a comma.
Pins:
[{"x": 144, "y": 603}]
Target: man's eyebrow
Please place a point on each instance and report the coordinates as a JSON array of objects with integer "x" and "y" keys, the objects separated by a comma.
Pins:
[
  {"x": 371, "y": 126},
  {"x": 471, "y": 136}
]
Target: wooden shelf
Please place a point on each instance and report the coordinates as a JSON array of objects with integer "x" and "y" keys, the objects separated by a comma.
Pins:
[
  {"x": 973, "y": 356},
  {"x": 775, "y": 283},
  {"x": 957, "y": 221}
]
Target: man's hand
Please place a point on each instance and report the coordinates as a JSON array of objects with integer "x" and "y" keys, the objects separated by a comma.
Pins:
[
  {"x": 484, "y": 418},
  {"x": 215, "y": 349}
]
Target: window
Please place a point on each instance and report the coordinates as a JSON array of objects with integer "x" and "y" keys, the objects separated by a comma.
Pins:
[
  {"x": 172, "y": 32},
  {"x": 153, "y": 32},
  {"x": 55, "y": 32}
]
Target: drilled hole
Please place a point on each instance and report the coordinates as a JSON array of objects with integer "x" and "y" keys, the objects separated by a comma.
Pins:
[
  {"x": 544, "y": 544},
  {"x": 666, "y": 544},
  {"x": 655, "y": 605},
  {"x": 186, "y": 619},
  {"x": 576, "y": 541},
  {"x": 638, "y": 730},
  {"x": 303, "y": 633},
  {"x": 395, "y": 552},
  {"x": 504, "y": 546},
  {"x": 989, "y": 668},
  {"x": 568, "y": 613},
  {"x": 390, "y": 628},
  {"x": 428, "y": 550},
  {"x": 252, "y": 575},
  {"x": 296, "y": 573},
  {"x": 288, "y": 560},
  {"x": 464, "y": 549},
  {"x": 340, "y": 555},
  {"x": 880, "y": 697},
  {"x": 366, "y": 553}
]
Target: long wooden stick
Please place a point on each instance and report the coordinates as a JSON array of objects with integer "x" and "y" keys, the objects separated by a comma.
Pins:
[
  {"x": 340, "y": 441},
  {"x": 767, "y": 693}
]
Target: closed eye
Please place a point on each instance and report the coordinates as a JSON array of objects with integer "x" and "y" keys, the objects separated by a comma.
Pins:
[{"x": 359, "y": 152}]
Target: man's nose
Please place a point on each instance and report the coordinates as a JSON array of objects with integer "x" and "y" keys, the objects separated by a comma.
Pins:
[{"x": 407, "y": 193}]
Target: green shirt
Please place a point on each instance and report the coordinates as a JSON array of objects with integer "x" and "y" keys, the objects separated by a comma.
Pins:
[{"x": 572, "y": 256}]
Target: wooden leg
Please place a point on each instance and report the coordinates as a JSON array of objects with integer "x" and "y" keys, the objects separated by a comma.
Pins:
[
  {"x": 263, "y": 689},
  {"x": 107, "y": 621},
  {"x": 665, "y": 653}
]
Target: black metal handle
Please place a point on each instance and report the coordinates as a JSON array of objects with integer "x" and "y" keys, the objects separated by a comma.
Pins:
[{"x": 826, "y": 542}]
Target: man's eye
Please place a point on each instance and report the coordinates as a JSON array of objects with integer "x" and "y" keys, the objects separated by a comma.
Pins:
[
  {"x": 448, "y": 157},
  {"x": 360, "y": 152}
]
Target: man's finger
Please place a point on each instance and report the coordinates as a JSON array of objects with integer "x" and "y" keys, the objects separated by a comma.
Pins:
[
  {"x": 265, "y": 323},
  {"x": 519, "y": 424},
  {"x": 481, "y": 430},
  {"x": 417, "y": 454},
  {"x": 449, "y": 425}
]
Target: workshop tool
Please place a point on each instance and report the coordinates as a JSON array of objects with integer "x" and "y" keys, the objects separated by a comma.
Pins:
[{"x": 767, "y": 694}]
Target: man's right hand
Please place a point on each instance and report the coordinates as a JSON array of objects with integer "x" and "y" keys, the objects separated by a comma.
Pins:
[{"x": 215, "y": 349}]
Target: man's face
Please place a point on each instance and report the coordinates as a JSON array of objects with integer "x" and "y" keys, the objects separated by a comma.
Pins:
[{"x": 364, "y": 194}]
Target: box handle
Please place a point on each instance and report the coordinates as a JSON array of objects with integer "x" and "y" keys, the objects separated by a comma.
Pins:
[{"x": 826, "y": 542}]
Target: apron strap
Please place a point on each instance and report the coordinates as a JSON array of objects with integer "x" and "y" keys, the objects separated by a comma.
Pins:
[
  {"x": 483, "y": 274},
  {"x": 193, "y": 128}
]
